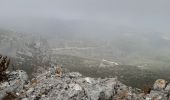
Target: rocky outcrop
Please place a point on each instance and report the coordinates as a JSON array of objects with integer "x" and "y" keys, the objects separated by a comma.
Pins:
[
  {"x": 160, "y": 91},
  {"x": 159, "y": 84},
  {"x": 73, "y": 86},
  {"x": 14, "y": 84}
]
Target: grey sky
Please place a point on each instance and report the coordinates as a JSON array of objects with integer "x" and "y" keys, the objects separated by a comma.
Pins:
[{"x": 139, "y": 14}]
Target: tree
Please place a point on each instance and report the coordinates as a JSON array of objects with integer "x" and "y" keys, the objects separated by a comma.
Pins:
[{"x": 4, "y": 64}]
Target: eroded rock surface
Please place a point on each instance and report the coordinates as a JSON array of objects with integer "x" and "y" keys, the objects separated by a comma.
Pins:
[
  {"x": 15, "y": 83},
  {"x": 74, "y": 86}
]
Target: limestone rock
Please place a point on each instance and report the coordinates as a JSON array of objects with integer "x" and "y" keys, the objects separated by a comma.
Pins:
[
  {"x": 159, "y": 84},
  {"x": 15, "y": 83},
  {"x": 167, "y": 87},
  {"x": 73, "y": 86}
]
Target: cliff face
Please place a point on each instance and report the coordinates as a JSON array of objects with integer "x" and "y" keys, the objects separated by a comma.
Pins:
[{"x": 54, "y": 85}]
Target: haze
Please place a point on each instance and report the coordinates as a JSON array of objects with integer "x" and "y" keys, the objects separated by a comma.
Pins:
[
  {"x": 98, "y": 38},
  {"x": 93, "y": 16},
  {"x": 130, "y": 28}
]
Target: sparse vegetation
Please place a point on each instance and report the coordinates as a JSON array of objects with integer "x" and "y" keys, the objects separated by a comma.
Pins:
[
  {"x": 4, "y": 64},
  {"x": 146, "y": 89},
  {"x": 10, "y": 96}
]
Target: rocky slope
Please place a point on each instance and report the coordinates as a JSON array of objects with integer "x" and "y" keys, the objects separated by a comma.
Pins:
[{"x": 54, "y": 85}]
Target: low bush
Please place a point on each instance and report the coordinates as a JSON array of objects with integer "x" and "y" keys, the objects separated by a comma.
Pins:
[{"x": 4, "y": 64}]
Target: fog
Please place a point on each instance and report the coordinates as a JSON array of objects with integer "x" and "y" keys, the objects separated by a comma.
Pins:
[
  {"x": 95, "y": 19},
  {"x": 116, "y": 35},
  {"x": 140, "y": 24},
  {"x": 85, "y": 17}
]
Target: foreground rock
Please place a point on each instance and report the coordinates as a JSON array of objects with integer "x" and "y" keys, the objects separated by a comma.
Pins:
[
  {"x": 159, "y": 84},
  {"x": 73, "y": 86},
  {"x": 15, "y": 83}
]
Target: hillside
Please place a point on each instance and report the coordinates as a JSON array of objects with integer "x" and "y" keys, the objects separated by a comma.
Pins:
[{"x": 31, "y": 52}]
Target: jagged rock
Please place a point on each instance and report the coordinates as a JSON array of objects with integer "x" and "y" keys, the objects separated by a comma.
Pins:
[
  {"x": 15, "y": 83},
  {"x": 167, "y": 87},
  {"x": 89, "y": 80},
  {"x": 74, "y": 75},
  {"x": 30, "y": 90},
  {"x": 157, "y": 95},
  {"x": 159, "y": 84},
  {"x": 73, "y": 86},
  {"x": 76, "y": 87}
]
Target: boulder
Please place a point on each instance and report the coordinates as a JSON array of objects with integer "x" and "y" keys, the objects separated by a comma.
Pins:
[
  {"x": 167, "y": 87},
  {"x": 157, "y": 95},
  {"x": 159, "y": 84}
]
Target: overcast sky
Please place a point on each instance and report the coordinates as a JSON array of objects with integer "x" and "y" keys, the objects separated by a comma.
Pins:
[{"x": 139, "y": 14}]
